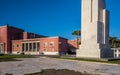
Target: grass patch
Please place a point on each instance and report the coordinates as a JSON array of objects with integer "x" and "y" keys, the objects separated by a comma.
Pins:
[
  {"x": 16, "y": 56},
  {"x": 84, "y": 59},
  {"x": 6, "y": 58},
  {"x": 52, "y": 56},
  {"x": 115, "y": 62},
  {"x": 59, "y": 72}
]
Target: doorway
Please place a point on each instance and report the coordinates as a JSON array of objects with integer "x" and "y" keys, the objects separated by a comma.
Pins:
[{"x": 1, "y": 47}]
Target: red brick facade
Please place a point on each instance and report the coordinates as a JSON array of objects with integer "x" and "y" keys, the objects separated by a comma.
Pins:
[
  {"x": 16, "y": 41},
  {"x": 7, "y": 34},
  {"x": 28, "y": 35},
  {"x": 74, "y": 44},
  {"x": 47, "y": 46}
]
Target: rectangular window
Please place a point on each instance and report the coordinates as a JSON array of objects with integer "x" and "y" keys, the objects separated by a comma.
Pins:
[
  {"x": 60, "y": 43},
  {"x": 52, "y": 44},
  {"x": 45, "y": 44},
  {"x": 119, "y": 55},
  {"x": 115, "y": 55},
  {"x": 17, "y": 45}
]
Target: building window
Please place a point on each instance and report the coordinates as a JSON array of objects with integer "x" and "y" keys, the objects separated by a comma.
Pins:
[
  {"x": 119, "y": 50},
  {"x": 52, "y": 44},
  {"x": 17, "y": 45},
  {"x": 60, "y": 43},
  {"x": 115, "y": 55},
  {"x": 45, "y": 44},
  {"x": 119, "y": 55}
]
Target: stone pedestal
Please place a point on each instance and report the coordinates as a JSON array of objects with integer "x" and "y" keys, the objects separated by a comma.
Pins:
[
  {"x": 94, "y": 30},
  {"x": 97, "y": 51}
]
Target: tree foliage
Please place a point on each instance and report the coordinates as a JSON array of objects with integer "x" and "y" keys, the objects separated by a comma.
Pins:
[
  {"x": 76, "y": 32},
  {"x": 114, "y": 42}
]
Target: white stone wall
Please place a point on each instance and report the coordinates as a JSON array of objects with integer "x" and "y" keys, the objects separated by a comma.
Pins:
[
  {"x": 94, "y": 30},
  {"x": 51, "y": 53},
  {"x": 15, "y": 52},
  {"x": 28, "y": 53},
  {"x": 116, "y": 52}
]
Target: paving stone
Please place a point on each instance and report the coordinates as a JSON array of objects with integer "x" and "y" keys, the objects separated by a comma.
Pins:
[{"x": 31, "y": 65}]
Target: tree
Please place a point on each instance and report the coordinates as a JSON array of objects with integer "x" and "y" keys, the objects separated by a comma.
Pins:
[
  {"x": 114, "y": 42},
  {"x": 78, "y": 34}
]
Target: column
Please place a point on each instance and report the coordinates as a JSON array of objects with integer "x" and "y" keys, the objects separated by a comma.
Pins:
[
  {"x": 32, "y": 47},
  {"x": 3, "y": 47},
  {"x": 0, "y": 48},
  {"x": 24, "y": 47},
  {"x": 28, "y": 47},
  {"x": 36, "y": 46}
]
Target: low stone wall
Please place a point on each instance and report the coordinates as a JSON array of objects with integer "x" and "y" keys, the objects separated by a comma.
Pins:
[{"x": 50, "y": 53}]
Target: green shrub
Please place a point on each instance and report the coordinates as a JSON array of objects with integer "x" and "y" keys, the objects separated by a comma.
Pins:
[
  {"x": 1, "y": 54},
  {"x": 22, "y": 53}
]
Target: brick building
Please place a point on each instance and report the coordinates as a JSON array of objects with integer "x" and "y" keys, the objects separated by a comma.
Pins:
[
  {"x": 74, "y": 44},
  {"x": 28, "y": 35},
  {"x": 47, "y": 46},
  {"x": 15, "y": 41},
  {"x": 7, "y": 34}
]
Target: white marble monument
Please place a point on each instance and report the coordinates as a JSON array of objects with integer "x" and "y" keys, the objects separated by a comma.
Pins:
[{"x": 94, "y": 30}]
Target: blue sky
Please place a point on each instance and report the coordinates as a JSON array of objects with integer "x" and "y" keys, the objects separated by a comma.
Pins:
[{"x": 52, "y": 17}]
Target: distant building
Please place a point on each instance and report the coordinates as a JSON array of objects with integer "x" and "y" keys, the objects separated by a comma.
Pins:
[
  {"x": 28, "y": 35},
  {"x": 15, "y": 41},
  {"x": 7, "y": 34},
  {"x": 46, "y": 46},
  {"x": 116, "y": 52},
  {"x": 74, "y": 44}
]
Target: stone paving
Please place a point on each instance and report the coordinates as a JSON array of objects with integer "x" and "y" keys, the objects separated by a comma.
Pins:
[{"x": 31, "y": 65}]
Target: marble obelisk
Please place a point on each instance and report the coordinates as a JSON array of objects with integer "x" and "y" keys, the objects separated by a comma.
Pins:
[{"x": 94, "y": 30}]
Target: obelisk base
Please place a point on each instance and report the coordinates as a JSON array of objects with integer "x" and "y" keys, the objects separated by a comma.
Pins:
[{"x": 99, "y": 51}]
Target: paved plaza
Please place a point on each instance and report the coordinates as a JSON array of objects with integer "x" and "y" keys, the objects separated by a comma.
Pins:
[{"x": 31, "y": 65}]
